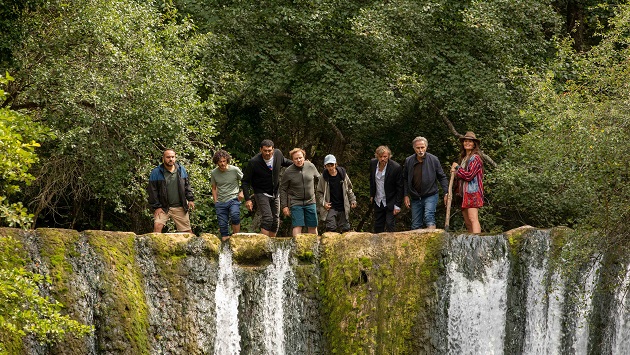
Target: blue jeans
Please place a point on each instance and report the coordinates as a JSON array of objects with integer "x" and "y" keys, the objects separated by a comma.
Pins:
[
  {"x": 226, "y": 211},
  {"x": 423, "y": 208}
]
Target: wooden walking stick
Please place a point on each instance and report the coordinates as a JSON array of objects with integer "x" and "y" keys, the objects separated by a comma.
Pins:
[{"x": 449, "y": 199}]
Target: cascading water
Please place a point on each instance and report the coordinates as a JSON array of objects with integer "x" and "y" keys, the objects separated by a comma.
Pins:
[
  {"x": 503, "y": 294},
  {"x": 548, "y": 314},
  {"x": 585, "y": 309},
  {"x": 279, "y": 281},
  {"x": 227, "y": 294},
  {"x": 478, "y": 272},
  {"x": 543, "y": 309},
  {"x": 621, "y": 342},
  {"x": 270, "y": 312}
]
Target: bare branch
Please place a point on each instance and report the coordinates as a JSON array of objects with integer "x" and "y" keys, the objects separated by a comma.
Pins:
[
  {"x": 451, "y": 127},
  {"x": 26, "y": 105},
  {"x": 447, "y": 122}
]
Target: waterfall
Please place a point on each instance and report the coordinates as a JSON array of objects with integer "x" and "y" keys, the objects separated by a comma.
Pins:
[
  {"x": 270, "y": 312},
  {"x": 585, "y": 309},
  {"x": 511, "y": 293},
  {"x": 621, "y": 343},
  {"x": 542, "y": 320},
  {"x": 279, "y": 279},
  {"x": 227, "y": 341},
  {"x": 544, "y": 312},
  {"x": 477, "y": 295},
  {"x": 543, "y": 308}
]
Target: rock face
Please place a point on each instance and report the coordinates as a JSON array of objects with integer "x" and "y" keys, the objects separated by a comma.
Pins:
[{"x": 420, "y": 292}]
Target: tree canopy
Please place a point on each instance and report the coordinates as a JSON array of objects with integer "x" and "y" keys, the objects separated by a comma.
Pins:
[
  {"x": 19, "y": 136},
  {"x": 116, "y": 82},
  {"x": 571, "y": 168}
]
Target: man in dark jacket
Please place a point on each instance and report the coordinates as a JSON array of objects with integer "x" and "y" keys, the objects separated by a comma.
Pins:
[
  {"x": 386, "y": 189},
  {"x": 421, "y": 173},
  {"x": 170, "y": 195},
  {"x": 262, "y": 176}
]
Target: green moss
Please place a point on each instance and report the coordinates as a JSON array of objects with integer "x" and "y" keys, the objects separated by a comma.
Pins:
[
  {"x": 212, "y": 245},
  {"x": 169, "y": 251},
  {"x": 305, "y": 246},
  {"x": 376, "y": 289},
  {"x": 516, "y": 238},
  {"x": 307, "y": 280},
  {"x": 366, "y": 262},
  {"x": 124, "y": 308},
  {"x": 251, "y": 249},
  {"x": 56, "y": 247}
]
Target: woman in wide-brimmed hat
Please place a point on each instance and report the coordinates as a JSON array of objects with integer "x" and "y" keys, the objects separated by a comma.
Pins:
[{"x": 470, "y": 176}]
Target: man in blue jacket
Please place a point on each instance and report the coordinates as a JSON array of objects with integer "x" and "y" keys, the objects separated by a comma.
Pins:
[
  {"x": 170, "y": 195},
  {"x": 421, "y": 173}
]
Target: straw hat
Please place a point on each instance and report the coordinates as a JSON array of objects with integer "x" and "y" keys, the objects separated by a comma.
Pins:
[{"x": 470, "y": 135}]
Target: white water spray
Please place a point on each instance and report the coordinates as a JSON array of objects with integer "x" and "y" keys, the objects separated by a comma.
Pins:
[
  {"x": 622, "y": 322},
  {"x": 227, "y": 341},
  {"x": 477, "y": 308},
  {"x": 580, "y": 337},
  {"x": 543, "y": 327},
  {"x": 274, "y": 302}
]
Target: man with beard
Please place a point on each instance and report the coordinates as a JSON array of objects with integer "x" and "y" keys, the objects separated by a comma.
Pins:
[
  {"x": 262, "y": 176},
  {"x": 170, "y": 195},
  {"x": 421, "y": 173},
  {"x": 386, "y": 189}
]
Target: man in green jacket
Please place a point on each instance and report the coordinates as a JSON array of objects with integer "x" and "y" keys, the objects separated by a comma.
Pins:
[{"x": 297, "y": 193}]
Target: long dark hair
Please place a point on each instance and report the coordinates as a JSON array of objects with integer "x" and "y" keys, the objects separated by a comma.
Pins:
[{"x": 475, "y": 150}]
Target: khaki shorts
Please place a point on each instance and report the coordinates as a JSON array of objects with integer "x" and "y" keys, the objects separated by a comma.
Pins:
[{"x": 179, "y": 216}]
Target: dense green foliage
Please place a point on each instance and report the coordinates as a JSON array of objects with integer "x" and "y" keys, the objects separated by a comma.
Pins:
[
  {"x": 116, "y": 82},
  {"x": 571, "y": 169},
  {"x": 343, "y": 77},
  {"x": 19, "y": 136},
  {"x": 119, "y": 81},
  {"x": 23, "y": 311}
]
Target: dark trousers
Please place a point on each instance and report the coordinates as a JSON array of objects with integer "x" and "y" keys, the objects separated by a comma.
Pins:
[
  {"x": 336, "y": 219},
  {"x": 269, "y": 209},
  {"x": 384, "y": 219}
]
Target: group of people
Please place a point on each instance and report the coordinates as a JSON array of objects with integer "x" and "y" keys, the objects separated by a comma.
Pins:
[{"x": 306, "y": 195}]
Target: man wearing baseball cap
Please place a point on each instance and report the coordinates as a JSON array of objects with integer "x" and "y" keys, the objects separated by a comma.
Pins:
[{"x": 335, "y": 196}]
